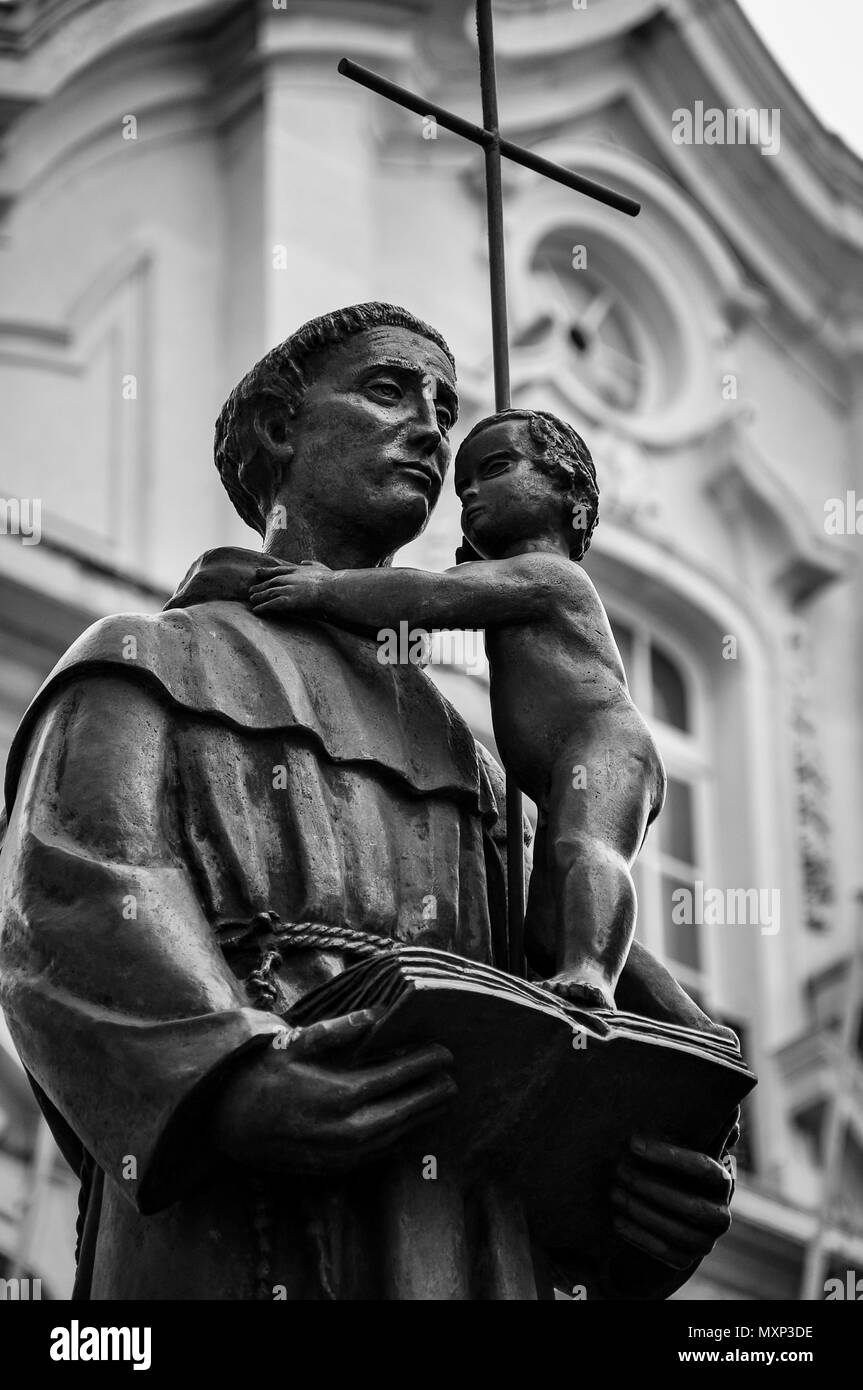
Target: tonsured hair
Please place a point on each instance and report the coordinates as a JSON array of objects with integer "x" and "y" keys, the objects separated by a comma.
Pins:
[
  {"x": 281, "y": 378},
  {"x": 562, "y": 453}
]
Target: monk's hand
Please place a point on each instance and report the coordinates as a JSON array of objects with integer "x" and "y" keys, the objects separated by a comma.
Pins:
[
  {"x": 288, "y": 588},
  {"x": 671, "y": 1203},
  {"x": 294, "y": 1107}
]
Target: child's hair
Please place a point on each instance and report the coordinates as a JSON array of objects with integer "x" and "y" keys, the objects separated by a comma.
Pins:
[{"x": 562, "y": 453}]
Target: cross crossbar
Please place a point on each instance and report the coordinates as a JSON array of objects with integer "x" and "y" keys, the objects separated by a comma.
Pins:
[{"x": 478, "y": 135}]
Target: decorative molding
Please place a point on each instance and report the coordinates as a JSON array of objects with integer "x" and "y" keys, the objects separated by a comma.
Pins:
[
  {"x": 812, "y": 790},
  {"x": 754, "y": 495},
  {"x": 110, "y": 320}
]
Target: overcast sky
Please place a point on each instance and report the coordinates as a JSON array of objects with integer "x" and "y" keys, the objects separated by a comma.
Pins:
[{"x": 819, "y": 43}]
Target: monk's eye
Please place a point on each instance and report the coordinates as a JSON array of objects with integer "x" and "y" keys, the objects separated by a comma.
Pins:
[
  {"x": 386, "y": 388},
  {"x": 444, "y": 419}
]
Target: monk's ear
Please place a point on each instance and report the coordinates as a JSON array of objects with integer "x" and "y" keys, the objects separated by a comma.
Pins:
[{"x": 271, "y": 432}]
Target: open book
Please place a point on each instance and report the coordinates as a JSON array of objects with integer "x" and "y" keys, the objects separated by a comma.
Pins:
[{"x": 549, "y": 1094}]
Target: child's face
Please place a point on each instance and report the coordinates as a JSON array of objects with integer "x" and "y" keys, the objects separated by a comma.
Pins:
[{"x": 505, "y": 497}]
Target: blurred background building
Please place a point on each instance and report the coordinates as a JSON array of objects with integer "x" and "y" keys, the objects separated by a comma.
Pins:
[{"x": 183, "y": 182}]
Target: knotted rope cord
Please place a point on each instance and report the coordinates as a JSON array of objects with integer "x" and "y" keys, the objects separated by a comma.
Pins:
[
  {"x": 318, "y": 935},
  {"x": 321, "y": 936},
  {"x": 260, "y": 982}
]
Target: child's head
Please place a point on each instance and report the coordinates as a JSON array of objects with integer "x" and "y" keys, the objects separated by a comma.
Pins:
[{"x": 524, "y": 473}]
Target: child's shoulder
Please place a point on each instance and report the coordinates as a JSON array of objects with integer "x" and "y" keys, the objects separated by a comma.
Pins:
[{"x": 565, "y": 578}]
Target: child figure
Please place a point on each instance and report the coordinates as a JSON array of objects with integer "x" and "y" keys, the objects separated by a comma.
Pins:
[{"x": 567, "y": 730}]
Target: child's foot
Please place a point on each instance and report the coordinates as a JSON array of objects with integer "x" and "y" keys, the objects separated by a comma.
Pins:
[{"x": 578, "y": 991}]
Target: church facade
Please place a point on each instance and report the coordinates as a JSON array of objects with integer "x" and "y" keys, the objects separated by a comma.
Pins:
[{"x": 182, "y": 185}]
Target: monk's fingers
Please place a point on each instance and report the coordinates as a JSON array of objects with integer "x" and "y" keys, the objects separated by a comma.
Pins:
[
  {"x": 344, "y": 1151},
  {"x": 652, "y": 1244},
  {"x": 333, "y": 1033},
  {"x": 366, "y": 1084},
  {"x": 699, "y": 1170},
  {"x": 386, "y": 1140},
  {"x": 710, "y": 1214},
  {"x": 678, "y": 1235},
  {"x": 374, "y": 1125}
]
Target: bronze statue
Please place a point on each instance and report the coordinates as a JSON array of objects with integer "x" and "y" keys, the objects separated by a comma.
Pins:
[
  {"x": 566, "y": 728},
  {"x": 184, "y": 782}
]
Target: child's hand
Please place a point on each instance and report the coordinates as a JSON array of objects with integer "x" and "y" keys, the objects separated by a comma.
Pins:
[
  {"x": 466, "y": 552},
  {"x": 288, "y": 588}
]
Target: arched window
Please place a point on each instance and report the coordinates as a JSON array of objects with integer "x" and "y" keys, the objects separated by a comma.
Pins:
[{"x": 674, "y": 854}]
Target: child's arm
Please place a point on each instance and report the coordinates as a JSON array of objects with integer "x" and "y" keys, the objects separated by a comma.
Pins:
[{"x": 485, "y": 593}]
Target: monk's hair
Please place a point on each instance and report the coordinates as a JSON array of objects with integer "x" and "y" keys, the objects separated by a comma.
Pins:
[
  {"x": 562, "y": 454},
  {"x": 281, "y": 378}
]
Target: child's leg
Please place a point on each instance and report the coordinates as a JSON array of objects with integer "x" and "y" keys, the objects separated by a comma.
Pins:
[{"x": 596, "y": 824}]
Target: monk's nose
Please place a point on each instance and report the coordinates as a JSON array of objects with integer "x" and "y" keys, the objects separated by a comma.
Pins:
[{"x": 425, "y": 433}]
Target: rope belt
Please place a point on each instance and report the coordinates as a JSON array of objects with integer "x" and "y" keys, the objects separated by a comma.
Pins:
[
  {"x": 272, "y": 936},
  {"x": 353, "y": 942},
  {"x": 268, "y": 929}
]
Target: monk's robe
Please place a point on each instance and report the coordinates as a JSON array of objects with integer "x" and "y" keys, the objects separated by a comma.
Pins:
[{"x": 177, "y": 778}]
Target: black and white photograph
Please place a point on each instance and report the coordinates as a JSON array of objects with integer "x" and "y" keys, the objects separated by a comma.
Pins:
[{"x": 431, "y": 667}]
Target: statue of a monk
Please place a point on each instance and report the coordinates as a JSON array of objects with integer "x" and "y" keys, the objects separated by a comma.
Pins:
[{"x": 181, "y": 779}]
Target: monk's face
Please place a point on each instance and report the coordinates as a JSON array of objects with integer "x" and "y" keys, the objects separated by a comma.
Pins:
[{"x": 371, "y": 440}]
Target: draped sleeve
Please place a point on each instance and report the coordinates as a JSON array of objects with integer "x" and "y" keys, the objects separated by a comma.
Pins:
[{"x": 118, "y": 999}]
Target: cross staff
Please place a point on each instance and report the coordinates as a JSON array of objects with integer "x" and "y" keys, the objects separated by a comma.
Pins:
[{"x": 494, "y": 146}]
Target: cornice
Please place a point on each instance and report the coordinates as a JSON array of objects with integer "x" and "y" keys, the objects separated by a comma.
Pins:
[
  {"x": 793, "y": 221},
  {"x": 717, "y": 36},
  {"x": 63, "y": 38},
  {"x": 726, "y": 43}
]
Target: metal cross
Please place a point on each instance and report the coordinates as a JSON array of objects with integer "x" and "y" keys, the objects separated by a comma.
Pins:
[{"x": 495, "y": 147}]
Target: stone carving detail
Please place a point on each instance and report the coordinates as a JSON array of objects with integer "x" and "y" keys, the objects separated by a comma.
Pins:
[{"x": 812, "y": 792}]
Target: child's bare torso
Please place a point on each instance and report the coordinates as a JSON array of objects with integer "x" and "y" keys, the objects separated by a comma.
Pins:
[
  {"x": 558, "y": 690},
  {"x": 567, "y": 730}
]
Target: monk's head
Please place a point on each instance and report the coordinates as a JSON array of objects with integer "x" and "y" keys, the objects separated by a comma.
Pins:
[{"x": 342, "y": 430}]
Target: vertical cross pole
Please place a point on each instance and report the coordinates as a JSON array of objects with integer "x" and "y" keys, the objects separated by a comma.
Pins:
[
  {"x": 494, "y": 206},
  {"x": 500, "y": 350},
  {"x": 494, "y": 147}
]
